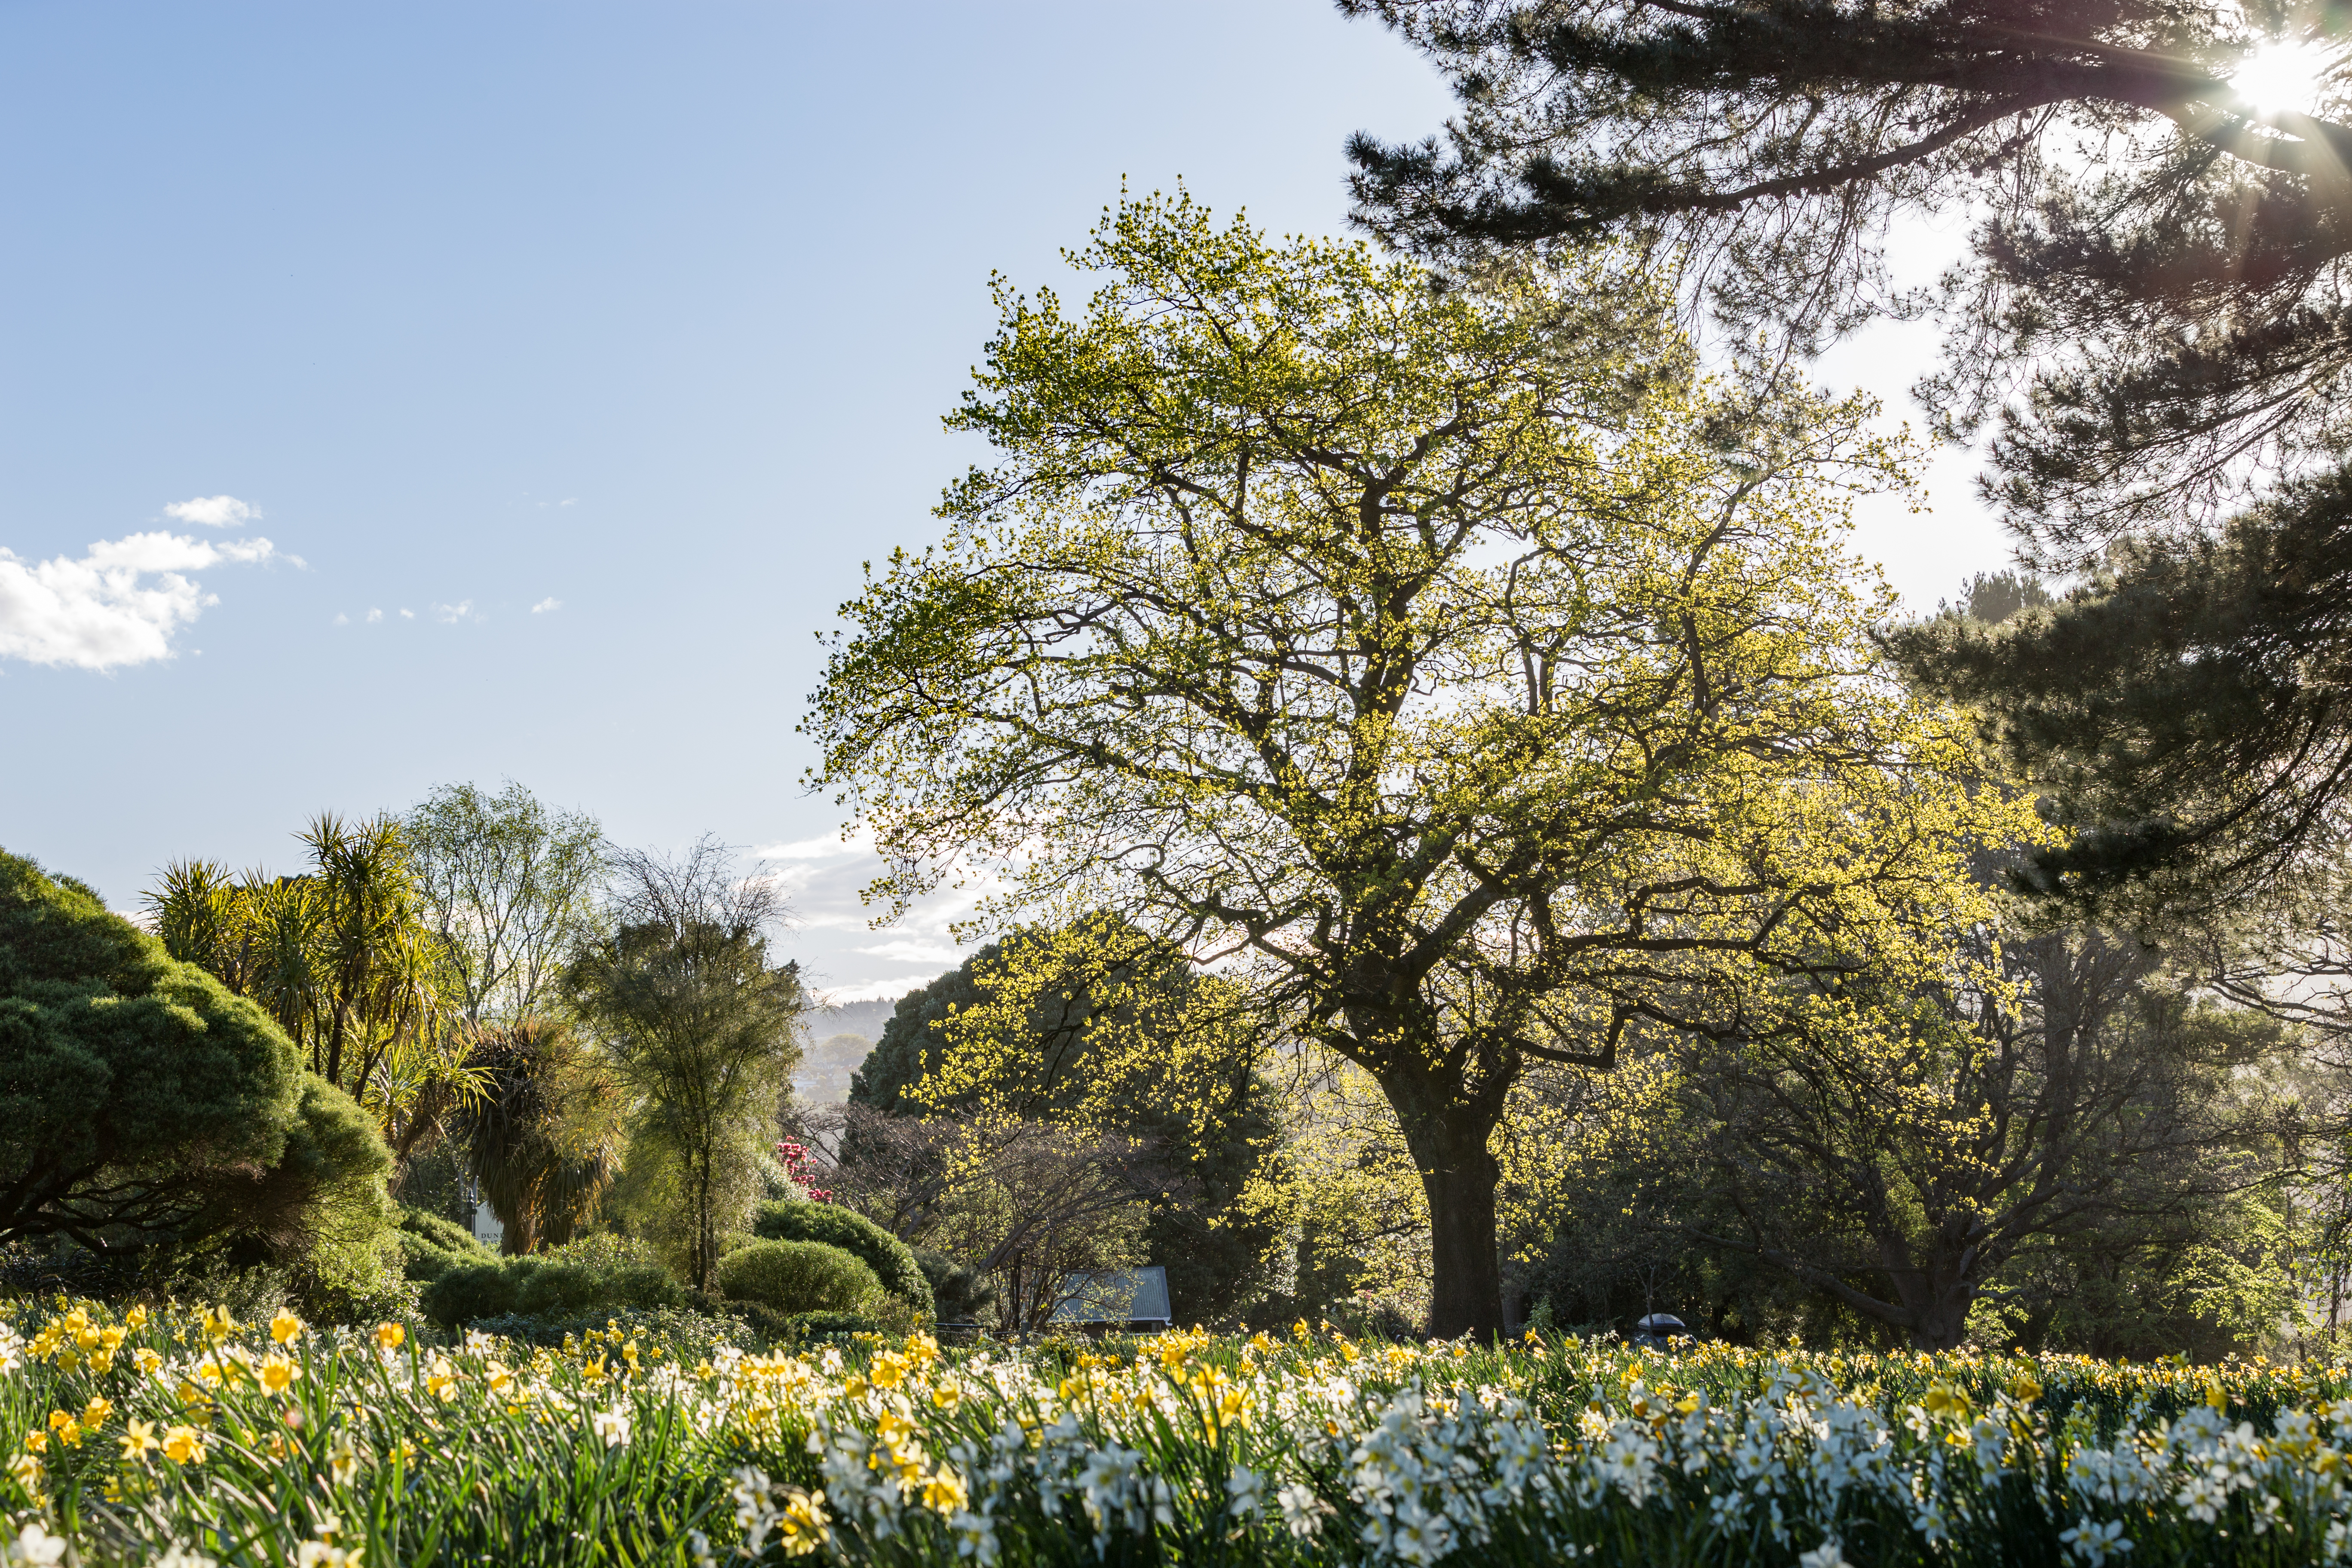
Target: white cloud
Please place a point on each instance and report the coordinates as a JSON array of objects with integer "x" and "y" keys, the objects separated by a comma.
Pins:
[
  {"x": 917, "y": 950},
  {"x": 342, "y": 619},
  {"x": 463, "y": 610},
  {"x": 118, "y": 604},
  {"x": 212, "y": 511},
  {"x": 830, "y": 847},
  {"x": 373, "y": 616},
  {"x": 408, "y": 615},
  {"x": 550, "y": 602}
]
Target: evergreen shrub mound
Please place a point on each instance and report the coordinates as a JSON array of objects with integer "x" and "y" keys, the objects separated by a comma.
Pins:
[
  {"x": 797, "y": 1277},
  {"x": 431, "y": 1246},
  {"x": 892, "y": 1260},
  {"x": 542, "y": 1288}
]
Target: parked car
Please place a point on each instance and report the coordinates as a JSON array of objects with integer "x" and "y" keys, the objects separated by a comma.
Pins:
[{"x": 1659, "y": 1331}]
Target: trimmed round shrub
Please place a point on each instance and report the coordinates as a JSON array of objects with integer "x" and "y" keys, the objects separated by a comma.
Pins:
[
  {"x": 892, "y": 1260},
  {"x": 795, "y": 1277}
]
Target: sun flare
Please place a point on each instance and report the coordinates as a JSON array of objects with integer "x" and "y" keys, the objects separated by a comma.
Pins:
[{"x": 2282, "y": 76}]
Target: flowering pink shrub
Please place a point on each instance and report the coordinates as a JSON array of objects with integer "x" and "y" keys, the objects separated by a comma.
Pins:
[{"x": 794, "y": 1158}]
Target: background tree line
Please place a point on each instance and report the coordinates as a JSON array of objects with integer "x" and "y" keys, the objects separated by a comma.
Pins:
[{"x": 1476, "y": 840}]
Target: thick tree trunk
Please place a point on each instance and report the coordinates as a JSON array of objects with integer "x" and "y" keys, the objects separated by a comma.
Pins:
[
  {"x": 1465, "y": 1286},
  {"x": 1936, "y": 1293},
  {"x": 1941, "y": 1322}
]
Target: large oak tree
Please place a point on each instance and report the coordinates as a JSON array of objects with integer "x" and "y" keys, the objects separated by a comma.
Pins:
[{"x": 1445, "y": 658}]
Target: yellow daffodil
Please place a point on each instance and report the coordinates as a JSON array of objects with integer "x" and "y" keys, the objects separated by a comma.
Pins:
[
  {"x": 944, "y": 1493},
  {"x": 1943, "y": 1399},
  {"x": 278, "y": 1374},
  {"x": 140, "y": 1440}
]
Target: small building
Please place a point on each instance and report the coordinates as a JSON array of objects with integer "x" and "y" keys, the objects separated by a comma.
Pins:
[
  {"x": 1116, "y": 1300},
  {"x": 486, "y": 1228}
]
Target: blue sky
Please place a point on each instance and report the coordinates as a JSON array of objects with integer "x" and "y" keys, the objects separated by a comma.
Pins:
[{"x": 569, "y": 359}]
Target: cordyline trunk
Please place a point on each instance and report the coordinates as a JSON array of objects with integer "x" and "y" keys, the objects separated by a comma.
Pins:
[{"x": 1448, "y": 1143}]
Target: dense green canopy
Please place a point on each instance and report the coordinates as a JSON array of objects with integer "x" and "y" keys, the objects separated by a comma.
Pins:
[{"x": 137, "y": 1095}]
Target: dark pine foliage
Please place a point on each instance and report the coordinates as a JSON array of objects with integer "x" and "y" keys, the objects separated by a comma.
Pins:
[{"x": 2162, "y": 259}]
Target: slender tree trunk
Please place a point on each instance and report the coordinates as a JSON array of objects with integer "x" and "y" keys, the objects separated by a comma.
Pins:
[
  {"x": 703, "y": 1246},
  {"x": 1459, "y": 1175}
]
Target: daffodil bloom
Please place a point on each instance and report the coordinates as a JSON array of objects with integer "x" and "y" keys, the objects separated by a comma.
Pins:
[
  {"x": 801, "y": 1525},
  {"x": 278, "y": 1374},
  {"x": 183, "y": 1445},
  {"x": 285, "y": 1327},
  {"x": 140, "y": 1440},
  {"x": 390, "y": 1336},
  {"x": 1943, "y": 1399},
  {"x": 945, "y": 1493}
]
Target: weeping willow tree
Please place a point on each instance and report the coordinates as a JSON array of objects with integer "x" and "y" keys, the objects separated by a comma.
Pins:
[
  {"x": 543, "y": 1140},
  {"x": 340, "y": 958}
]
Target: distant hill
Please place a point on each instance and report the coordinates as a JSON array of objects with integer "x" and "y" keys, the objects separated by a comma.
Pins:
[
  {"x": 840, "y": 1038},
  {"x": 865, "y": 1018},
  {"x": 824, "y": 1075}
]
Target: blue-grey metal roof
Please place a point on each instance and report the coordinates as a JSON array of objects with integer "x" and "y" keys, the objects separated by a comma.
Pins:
[{"x": 1118, "y": 1296}]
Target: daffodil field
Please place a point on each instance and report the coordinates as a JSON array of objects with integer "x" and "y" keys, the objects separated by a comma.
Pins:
[{"x": 184, "y": 1438}]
